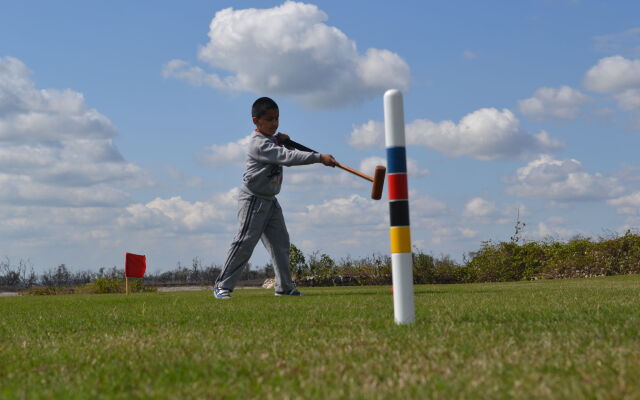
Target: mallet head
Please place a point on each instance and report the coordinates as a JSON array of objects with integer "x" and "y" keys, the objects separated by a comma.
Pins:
[{"x": 378, "y": 182}]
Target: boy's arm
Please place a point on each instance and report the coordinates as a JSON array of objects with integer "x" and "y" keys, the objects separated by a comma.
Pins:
[
  {"x": 285, "y": 140},
  {"x": 266, "y": 151}
]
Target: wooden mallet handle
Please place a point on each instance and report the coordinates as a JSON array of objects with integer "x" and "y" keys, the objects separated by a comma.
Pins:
[
  {"x": 355, "y": 172},
  {"x": 298, "y": 146},
  {"x": 378, "y": 181}
]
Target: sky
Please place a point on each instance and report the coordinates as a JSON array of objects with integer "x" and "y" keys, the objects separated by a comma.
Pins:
[{"x": 123, "y": 124}]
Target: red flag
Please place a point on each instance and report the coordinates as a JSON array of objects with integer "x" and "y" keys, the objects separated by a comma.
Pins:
[{"x": 134, "y": 265}]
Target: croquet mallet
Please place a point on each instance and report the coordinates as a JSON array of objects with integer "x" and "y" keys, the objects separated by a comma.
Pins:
[{"x": 378, "y": 176}]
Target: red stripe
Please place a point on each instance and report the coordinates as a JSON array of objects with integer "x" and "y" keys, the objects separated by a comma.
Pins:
[{"x": 398, "y": 188}]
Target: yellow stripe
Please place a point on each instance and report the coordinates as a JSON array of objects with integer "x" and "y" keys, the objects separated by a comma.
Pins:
[{"x": 400, "y": 239}]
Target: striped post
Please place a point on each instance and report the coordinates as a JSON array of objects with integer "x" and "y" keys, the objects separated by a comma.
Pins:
[{"x": 400, "y": 233}]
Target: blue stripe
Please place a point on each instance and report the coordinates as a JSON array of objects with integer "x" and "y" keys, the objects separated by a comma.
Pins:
[{"x": 396, "y": 160}]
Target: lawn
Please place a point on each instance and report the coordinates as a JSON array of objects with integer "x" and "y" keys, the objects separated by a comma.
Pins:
[{"x": 544, "y": 339}]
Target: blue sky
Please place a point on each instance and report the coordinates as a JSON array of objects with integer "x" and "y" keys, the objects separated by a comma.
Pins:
[{"x": 121, "y": 123}]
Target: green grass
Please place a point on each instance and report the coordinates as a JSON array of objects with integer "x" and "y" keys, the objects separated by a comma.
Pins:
[{"x": 562, "y": 339}]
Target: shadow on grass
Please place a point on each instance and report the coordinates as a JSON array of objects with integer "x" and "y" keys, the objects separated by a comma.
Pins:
[{"x": 332, "y": 294}]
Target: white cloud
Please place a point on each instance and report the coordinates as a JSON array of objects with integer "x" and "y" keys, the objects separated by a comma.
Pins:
[
  {"x": 550, "y": 229},
  {"x": 355, "y": 224},
  {"x": 629, "y": 99},
  {"x": 351, "y": 224},
  {"x": 441, "y": 232},
  {"x": 231, "y": 153},
  {"x": 353, "y": 211},
  {"x": 178, "y": 215},
  {"x": 23, "y": 189},
  {"x": 485, "y": 134},
  {"x": 414, "y": 170},
  {"x": 315, "y": 176},
  {"x": 620, "y": 78},
  {"x": 468, "y": 233},
  {"x": 482, "y": 211},
  {"x": 367, "y": 135},
  {"x": 612, "y": 75},
  {"x": 195, "y": 76},
  {"x": 368, "y": 165},
  {"x": 29, "y": 115},
  {"x": 290, "y": 50},
  {"x": 55, "y": 150},
  {"x": 562, "y": 103},
  {"x": 75, "y": 163},
  {"x": 479, "y": 207},
  {"x": 564, "y": 180},
  {"x": 629, "y": 204},
  {"x": 423, "y": 206},
  {"x": 30, "y": 223}
]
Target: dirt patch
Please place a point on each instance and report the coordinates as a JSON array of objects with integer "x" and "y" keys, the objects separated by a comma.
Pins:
[{"x": 183, "y": 288}]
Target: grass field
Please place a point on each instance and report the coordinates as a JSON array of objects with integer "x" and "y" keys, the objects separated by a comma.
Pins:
[{"x": 562, "y": 339}]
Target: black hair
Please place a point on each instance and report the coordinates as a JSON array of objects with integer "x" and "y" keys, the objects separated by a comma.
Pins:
[{"x": 261, "y": 106}]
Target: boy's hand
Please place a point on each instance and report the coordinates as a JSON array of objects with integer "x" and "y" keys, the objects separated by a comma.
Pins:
[
  {"x": 282, "y": 137},
  {"x": 328, "y": 160}
]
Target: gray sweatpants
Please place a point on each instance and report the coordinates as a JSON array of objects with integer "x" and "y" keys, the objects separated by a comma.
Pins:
[{"x": 258, "y": 219}]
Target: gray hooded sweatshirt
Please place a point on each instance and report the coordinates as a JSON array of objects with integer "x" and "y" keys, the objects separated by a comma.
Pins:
[{"x": 263, "y": 175}]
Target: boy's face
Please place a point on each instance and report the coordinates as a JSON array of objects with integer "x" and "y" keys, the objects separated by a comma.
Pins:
[{"x": 268, "y": 122}]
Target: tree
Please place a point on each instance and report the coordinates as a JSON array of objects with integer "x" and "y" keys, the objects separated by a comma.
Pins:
[{"x": 297, "y": 262}]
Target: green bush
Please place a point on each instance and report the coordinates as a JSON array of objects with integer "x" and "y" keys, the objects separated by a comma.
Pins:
[
  {"x": 621, "y": 255},
  {"x": 423, "y": 267},
  {"x": 573, "y": 259},
  {"x": 101, "y": 285},
  {"x": 137, "y": 286},
  {"x": 374, "y": 270},
  {"x": 428, "y": 269},
  {"x": 579, "y": 257},
  {"x": 448, "y": 271},
  {"x": 507, "y": 261},
  {"x": 494, "y": 262},
  {"x": 104, "y": 285}
]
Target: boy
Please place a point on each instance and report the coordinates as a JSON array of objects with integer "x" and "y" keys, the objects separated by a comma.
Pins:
[{"x": 259, "y": 212}]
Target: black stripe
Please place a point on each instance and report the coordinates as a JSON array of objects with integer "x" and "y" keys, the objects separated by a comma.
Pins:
[
  {"x": 243, "y": 233},
  {"x": 399, "y": 212},
  {"x": 247, "y": 223}
]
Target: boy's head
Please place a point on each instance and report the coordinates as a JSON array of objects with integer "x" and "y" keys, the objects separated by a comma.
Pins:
[
  {"x": 261, "y": 106},
  {"x": 265, "y": 115}
]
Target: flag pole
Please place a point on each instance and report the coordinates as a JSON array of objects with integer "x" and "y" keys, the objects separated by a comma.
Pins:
[{"x": 134, "y": 267}]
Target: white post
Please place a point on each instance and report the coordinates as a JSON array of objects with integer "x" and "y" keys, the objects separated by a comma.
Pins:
[{"x": 400, "y": 232}]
